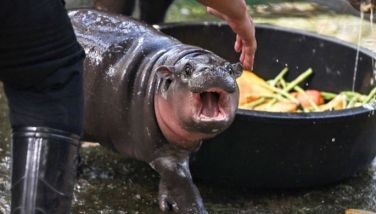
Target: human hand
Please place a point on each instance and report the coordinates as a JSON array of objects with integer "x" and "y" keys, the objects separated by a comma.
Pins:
[{"x": 245, "y": 36}]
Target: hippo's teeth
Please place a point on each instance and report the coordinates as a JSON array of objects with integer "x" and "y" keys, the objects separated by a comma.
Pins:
[{"x": 210, "y": 104}]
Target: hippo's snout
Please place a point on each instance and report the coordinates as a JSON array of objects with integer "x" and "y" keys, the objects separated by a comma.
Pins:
[{"x": 212, "y": 78}]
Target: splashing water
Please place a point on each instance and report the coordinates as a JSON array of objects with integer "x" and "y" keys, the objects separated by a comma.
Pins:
[
  {"x": 372, "y": 33},
  {"x": 371, "y": 20},
  {"x": 357, "y": 49},
  {"x": 364, "y": 6}
]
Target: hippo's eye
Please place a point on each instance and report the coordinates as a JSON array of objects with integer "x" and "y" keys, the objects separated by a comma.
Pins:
[{"x": 188, "y": 69}]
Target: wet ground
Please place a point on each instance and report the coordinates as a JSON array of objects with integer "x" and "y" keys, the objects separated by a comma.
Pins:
[{"x": 108, "y": 183}]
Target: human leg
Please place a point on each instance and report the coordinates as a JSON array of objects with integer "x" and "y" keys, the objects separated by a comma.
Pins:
[{"x": 46, "y": 120}]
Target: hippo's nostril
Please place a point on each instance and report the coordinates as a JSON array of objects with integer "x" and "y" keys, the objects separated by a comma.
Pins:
[{"x": 234, "y": 69}]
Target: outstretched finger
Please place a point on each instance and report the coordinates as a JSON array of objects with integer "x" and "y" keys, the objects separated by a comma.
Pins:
[
  {"x": 238, "y": 44},
  {"x": 247, "y": 58}
]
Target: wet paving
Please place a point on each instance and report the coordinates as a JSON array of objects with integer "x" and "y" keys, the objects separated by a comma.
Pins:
[
  {"x": 4, "y": 156},
  {"x": 109, "y": 183}
]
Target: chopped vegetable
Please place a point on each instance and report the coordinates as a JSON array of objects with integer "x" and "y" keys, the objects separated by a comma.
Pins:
[
  {"x": 309, "y": 98},
  {"x": 278, "y": 95},
  {"x": 252, "y": 87},
  {"x": 281, "y": 106},
  {"x": 338, "y": 103},
  {"x": 357, "y": 211}
]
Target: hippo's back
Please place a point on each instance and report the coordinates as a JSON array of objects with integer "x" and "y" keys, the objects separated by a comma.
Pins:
[
  {"x": 119, "y": 79},
  {"x": 107, "y": 37}
]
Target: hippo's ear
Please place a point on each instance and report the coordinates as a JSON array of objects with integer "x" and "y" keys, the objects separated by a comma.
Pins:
[
  {"x": 237, "y": 69},
  {"x": 165, "y": 72}
]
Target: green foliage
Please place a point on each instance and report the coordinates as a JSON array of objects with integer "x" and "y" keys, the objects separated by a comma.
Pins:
[{"x": 254, "y": 2}]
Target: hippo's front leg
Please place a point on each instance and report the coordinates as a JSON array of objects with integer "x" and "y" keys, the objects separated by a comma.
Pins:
[
  {"x": 195, "y": 100},
  {"x": 177, "y": 191}
]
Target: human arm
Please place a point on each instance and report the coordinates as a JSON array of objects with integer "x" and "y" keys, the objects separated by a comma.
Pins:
[{"x": 234, "y": 12}]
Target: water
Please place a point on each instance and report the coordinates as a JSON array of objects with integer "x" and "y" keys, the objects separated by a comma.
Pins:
[
  {"x": 357, "y": 50},
  {"x": 373, "y": 41},
  {"x": 371, "y": 21}
]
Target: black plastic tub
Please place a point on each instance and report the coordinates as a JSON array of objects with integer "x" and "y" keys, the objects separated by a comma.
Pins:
[{"x": 289, "y": 150}]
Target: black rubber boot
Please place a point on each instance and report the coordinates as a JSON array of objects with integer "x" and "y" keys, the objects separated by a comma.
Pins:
[{"x": 43, "y": 170}]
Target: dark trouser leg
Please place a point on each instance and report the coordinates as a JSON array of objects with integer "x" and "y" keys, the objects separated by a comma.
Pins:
[
  {"x": 46, "y": 120},
  {"x": 153, "y": 11},
  {"x": 125, "y": 7},
  {"x": 55, "y": 102}
]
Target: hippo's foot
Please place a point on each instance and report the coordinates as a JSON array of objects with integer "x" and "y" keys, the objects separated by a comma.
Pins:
[
  {"x": 183, "y": 198},
  {"x": 177, "y": 192}
]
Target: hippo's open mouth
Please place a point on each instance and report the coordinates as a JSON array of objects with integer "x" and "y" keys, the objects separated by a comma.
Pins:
[{"x": 211, "y": 105}]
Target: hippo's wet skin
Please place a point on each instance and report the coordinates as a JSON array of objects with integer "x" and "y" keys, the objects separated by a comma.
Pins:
[{"x": 152, "y": 98}]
